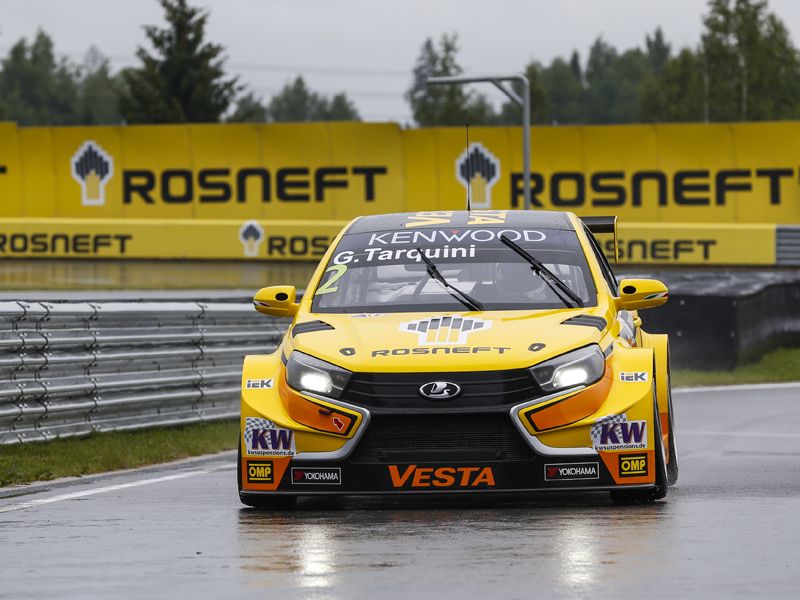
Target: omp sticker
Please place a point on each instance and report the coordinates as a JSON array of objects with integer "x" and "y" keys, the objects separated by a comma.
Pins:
[
  {"x": 258, "y": 384},
  {"x": 260, "y": 471},
  {"x": 616, "y": 432},
  {"x": 634, "y": 376},
  {"x": 632, "y": 465},
  {"x": 436, "y": 331},
  {"x": 262, "y": 437}
]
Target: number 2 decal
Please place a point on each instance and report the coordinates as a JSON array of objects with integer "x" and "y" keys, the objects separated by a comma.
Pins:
[{"x": 336, "y": 272}]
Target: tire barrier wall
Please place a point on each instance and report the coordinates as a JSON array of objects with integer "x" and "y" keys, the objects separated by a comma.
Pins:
[
  {"x": 71, "y": 369},
  {"x": 721, "y": 330}
]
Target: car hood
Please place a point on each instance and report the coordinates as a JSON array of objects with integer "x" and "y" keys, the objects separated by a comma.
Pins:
[{"x": 448, "y": 341}]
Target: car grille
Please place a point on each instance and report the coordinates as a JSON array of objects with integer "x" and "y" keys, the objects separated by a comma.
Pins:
[
  {"x": 441, "y": 437},
  {"x": 399, "y": 392}
]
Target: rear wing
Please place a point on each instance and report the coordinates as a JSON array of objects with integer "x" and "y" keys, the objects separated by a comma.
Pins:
[{"x": 603, "y": 225}]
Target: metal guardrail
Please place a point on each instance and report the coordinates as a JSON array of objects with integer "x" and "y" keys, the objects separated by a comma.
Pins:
[{"x": 69, "y": 369}]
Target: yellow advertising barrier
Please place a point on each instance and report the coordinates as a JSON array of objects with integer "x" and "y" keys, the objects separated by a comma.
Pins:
[
  {"x": 667, "y": 243},
  {"x": 694, "y": 194}
]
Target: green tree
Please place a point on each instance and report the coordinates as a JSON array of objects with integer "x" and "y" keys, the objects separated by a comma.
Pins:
[
  {"x": 249, "y": 109},
  {"x": 658, "y": 51},
  {"x": 97, "y": 91},
  {"x": 564, "y": 85},
  {"x": 340, "y": 108},
  {"x": 678, "y": 94},
  {"x": 183, "y": 80},
  {"x": 36, "y": 88},
  {"x": 511, "y": 113},
  {"x": 613, "y": 83},
  {"x": 446, "y": 104},
  {"x": 753, "y": 68},
  {"x": 296, "y": 102}
]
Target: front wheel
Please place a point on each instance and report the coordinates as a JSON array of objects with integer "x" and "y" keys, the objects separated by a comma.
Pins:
[
  {"x": 659, "y": 491},
  {"x": 269, "y": 502},
  {"x": 672, "y": 465},
  {"x": 275, "y": 502}
]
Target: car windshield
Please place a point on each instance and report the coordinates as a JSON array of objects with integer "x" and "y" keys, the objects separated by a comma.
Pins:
[{"x": 383, "y": 272}]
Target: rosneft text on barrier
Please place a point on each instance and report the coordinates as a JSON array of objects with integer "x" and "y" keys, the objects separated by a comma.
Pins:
[{"x": 683, "y": 193}]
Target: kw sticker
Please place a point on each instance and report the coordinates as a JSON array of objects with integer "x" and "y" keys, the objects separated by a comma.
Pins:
[
  {"x": 262, "y": 437},
  {"x": 616, "y": 432}
]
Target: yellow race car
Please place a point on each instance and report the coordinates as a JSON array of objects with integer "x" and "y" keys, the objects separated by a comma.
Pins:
[{"x": 460, "y": 351}]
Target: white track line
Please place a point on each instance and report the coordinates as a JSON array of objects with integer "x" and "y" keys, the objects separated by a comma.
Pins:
[
  {"x": 734, "y": 388},
  {"x": 103, "y": 490}
]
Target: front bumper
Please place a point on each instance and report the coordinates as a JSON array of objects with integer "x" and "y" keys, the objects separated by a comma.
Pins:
[
  {"x": 343, "y": 477},
  {"x": 593, "y": 439}
]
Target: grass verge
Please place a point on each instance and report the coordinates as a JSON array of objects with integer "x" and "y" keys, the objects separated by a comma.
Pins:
[
  {"x": 101, "y": 452},
  {"x": 779, "y": 365}
]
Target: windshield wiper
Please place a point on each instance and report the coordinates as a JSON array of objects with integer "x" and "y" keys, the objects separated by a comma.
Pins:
[
  {"x": 546, "y": 274},
  {"x": 463, "y": 297}
]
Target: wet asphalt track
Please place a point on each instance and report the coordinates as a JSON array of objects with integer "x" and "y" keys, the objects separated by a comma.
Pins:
[{"x": 730, "y": 529}]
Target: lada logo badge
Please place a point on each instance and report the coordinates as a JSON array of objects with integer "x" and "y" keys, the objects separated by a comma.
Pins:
[{"x": 440, "y": 390}]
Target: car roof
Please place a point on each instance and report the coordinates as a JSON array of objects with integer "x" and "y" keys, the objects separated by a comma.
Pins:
[{"x": 512, "y": 219}]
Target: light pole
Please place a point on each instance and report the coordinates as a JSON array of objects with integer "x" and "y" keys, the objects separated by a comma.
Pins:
[{"x": 524, "y": 103}]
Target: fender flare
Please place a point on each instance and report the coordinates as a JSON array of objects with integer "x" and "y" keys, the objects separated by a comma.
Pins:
[{"x": 659, "y": 343}]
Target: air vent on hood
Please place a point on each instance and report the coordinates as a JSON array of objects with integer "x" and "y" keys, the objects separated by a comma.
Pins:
[
  {"x": 587, "y": 321},
  {"x": 310, "y": 326}
]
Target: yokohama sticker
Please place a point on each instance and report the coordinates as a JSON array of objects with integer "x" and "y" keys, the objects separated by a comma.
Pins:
[
  {"x": 571, "y": 471},
  {"x": 316, "y": 475},
  {"x": 616, "y": 432},
  {"x": 263, "y": 438}
]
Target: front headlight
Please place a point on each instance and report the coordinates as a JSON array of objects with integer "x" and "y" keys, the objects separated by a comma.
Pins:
[
  {"x": 583, "y": 366},
  {"x": 305, "y": 373}
]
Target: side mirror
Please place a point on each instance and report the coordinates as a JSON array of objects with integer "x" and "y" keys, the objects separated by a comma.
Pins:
[
  {"x": 276, "y": 300},
  {"x": 636, "y": 294}
]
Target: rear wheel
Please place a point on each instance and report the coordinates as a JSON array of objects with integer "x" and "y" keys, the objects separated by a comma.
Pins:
[{"x": 650, "y": 495}]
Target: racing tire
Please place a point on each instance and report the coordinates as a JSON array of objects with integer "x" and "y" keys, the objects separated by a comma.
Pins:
[
  {"x": 659, "y": 490},
  {"x": 259, "y": 502},
  {"x": 672, "y": 465}
]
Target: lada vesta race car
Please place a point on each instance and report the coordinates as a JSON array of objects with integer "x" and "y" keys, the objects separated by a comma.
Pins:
[{"x": 449, "y": 352}]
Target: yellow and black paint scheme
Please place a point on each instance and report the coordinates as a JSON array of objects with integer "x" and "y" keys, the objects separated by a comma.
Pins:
[{"x": 556, "y": 428}]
